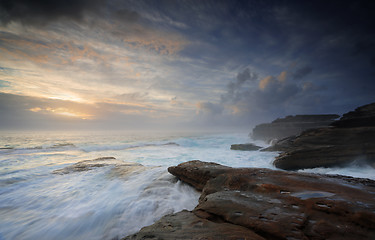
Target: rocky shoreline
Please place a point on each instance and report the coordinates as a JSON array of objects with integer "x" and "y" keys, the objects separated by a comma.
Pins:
[
  {"x": 253, "y": 203},
  {"x": 349, "y": 139},
  {"x": 249, "y": 203}
]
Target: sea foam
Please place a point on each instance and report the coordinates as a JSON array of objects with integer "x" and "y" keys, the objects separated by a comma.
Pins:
[{"x": 107, "y": 201}]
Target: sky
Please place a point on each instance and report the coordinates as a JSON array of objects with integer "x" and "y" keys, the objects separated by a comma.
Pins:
[{"x": 203, "y": 65}]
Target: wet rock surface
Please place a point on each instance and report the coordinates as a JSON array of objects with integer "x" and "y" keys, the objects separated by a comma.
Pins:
[
  {"x": 350, "y": 139},
  {"x": 245, "y": 147},
  {"x": 290, "y": 126},
  {"x": 187, "y": 225},
  {"x": 269, "y": 204},
  {"x": 119, "y": 169},
  {"x": 197, "y": 173}
]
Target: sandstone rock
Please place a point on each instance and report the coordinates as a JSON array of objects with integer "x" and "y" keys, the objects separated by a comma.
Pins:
[
  {"x": 245, "y": 147},
  {"x": 197, "y": 173},
  {"x": 279, "y": 204},
  {"x": 186, "y": 225},
  {"x": 290, "y": 126}
]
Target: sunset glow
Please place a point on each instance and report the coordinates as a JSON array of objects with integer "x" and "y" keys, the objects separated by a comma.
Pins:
[{"x": 185, "y": 65}]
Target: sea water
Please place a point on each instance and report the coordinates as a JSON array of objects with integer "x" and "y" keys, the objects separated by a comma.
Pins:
[{"x": 100, "y": 202}]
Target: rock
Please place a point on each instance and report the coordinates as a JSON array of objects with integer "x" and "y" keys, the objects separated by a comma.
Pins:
[
  {"x": 280, "y": 205},
  {"x": 249, "y": 203},
  {"x": 186, "y": 225},
  {"x": 352, "y": 138},
  {"x": 60, "y": 145},
  {"x": 119, "y": 169},
  {"x": 361, "y": 117},
  {"x": 245, "y": 147},
  {"x": 276, "y": 204},
  {"x": 290, "y": 126},
  {"x": 197, "y": 173}
]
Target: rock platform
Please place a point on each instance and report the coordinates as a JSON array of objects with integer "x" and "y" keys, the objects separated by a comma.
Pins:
[{"x": 251, "y": 203}]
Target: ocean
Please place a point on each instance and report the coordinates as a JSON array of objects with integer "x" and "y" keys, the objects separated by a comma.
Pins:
[{"x": 43, "y": 197}]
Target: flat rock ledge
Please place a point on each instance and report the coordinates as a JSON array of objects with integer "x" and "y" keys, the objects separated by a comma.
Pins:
[
  {"x": 245, "y": 147},
  {"x": 251, "y": 203}
]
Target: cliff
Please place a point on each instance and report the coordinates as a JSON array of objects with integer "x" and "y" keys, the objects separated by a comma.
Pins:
[
  {"x": 290, "y": 126},
  {"x": 350, "y": 139}
]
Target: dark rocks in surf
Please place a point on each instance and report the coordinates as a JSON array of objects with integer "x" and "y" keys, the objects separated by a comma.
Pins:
[
  {"x": 120, "y": 168},
  {"x": 254, "y": 203},
  {"x": 245, "y": 147},
  {"x": 60, "y": 145},
  {"x": 290, "y": 126},
  {"x": 350, "y": 139}
]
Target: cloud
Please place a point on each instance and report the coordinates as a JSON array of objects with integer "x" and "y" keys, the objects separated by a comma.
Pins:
[
  {"x": 134, "y": 96},
  {"x": 302, "y": 72},
  {"x": 41, "y": 12},
  {"x": 282, "y": 77},
  {"x": 24, "y": 112},
  {"x": 233, "y": 88},
  {"x": 111, "y": 53},
  {"x": 209, "y": 108},
  {"x": 265, "y": 82},
  {"x": 89, "y": 66},
  {"x": 246, "y": 75},
  {"x": 127, "y": 15},
  {"x": 262, "y": 99}
]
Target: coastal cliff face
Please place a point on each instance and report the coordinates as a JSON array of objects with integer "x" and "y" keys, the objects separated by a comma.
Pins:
[
  {"x": 350, "y": 139},
  {"x": 361, "y": 117},
  {"x": 290, "y": 126},
  {"x": 248, "y": 203}
]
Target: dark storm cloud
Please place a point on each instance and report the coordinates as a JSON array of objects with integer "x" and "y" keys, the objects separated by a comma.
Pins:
[
  {"x": 268, "y": 97},
  {"x": 261, "y": 93},
  {"x": 366, "y": 48},
  {"x": 127, "y": 15},
  {"x": 233, "y": 93},
  {"x": 246, "y": 75},
  {"x": 44, "y": 11},
  {"x": 302, "y": 72}
]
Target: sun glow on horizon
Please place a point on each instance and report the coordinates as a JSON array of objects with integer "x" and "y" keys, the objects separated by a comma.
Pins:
[
  {"x": 62, "y": 111},
  {"x": 68, "y": 97}
]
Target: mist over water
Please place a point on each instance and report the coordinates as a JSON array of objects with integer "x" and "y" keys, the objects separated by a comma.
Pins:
[{"x": 112, "y": 201}]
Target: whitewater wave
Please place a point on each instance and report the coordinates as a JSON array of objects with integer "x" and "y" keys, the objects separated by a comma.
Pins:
[
  {"x": 92, "y": 204},
  {"x": 83, "y": 147},
  {"x": 352, "y": 170},
  {"x": 94, "y": 148},
  {"x": 113, "y": 196}
]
